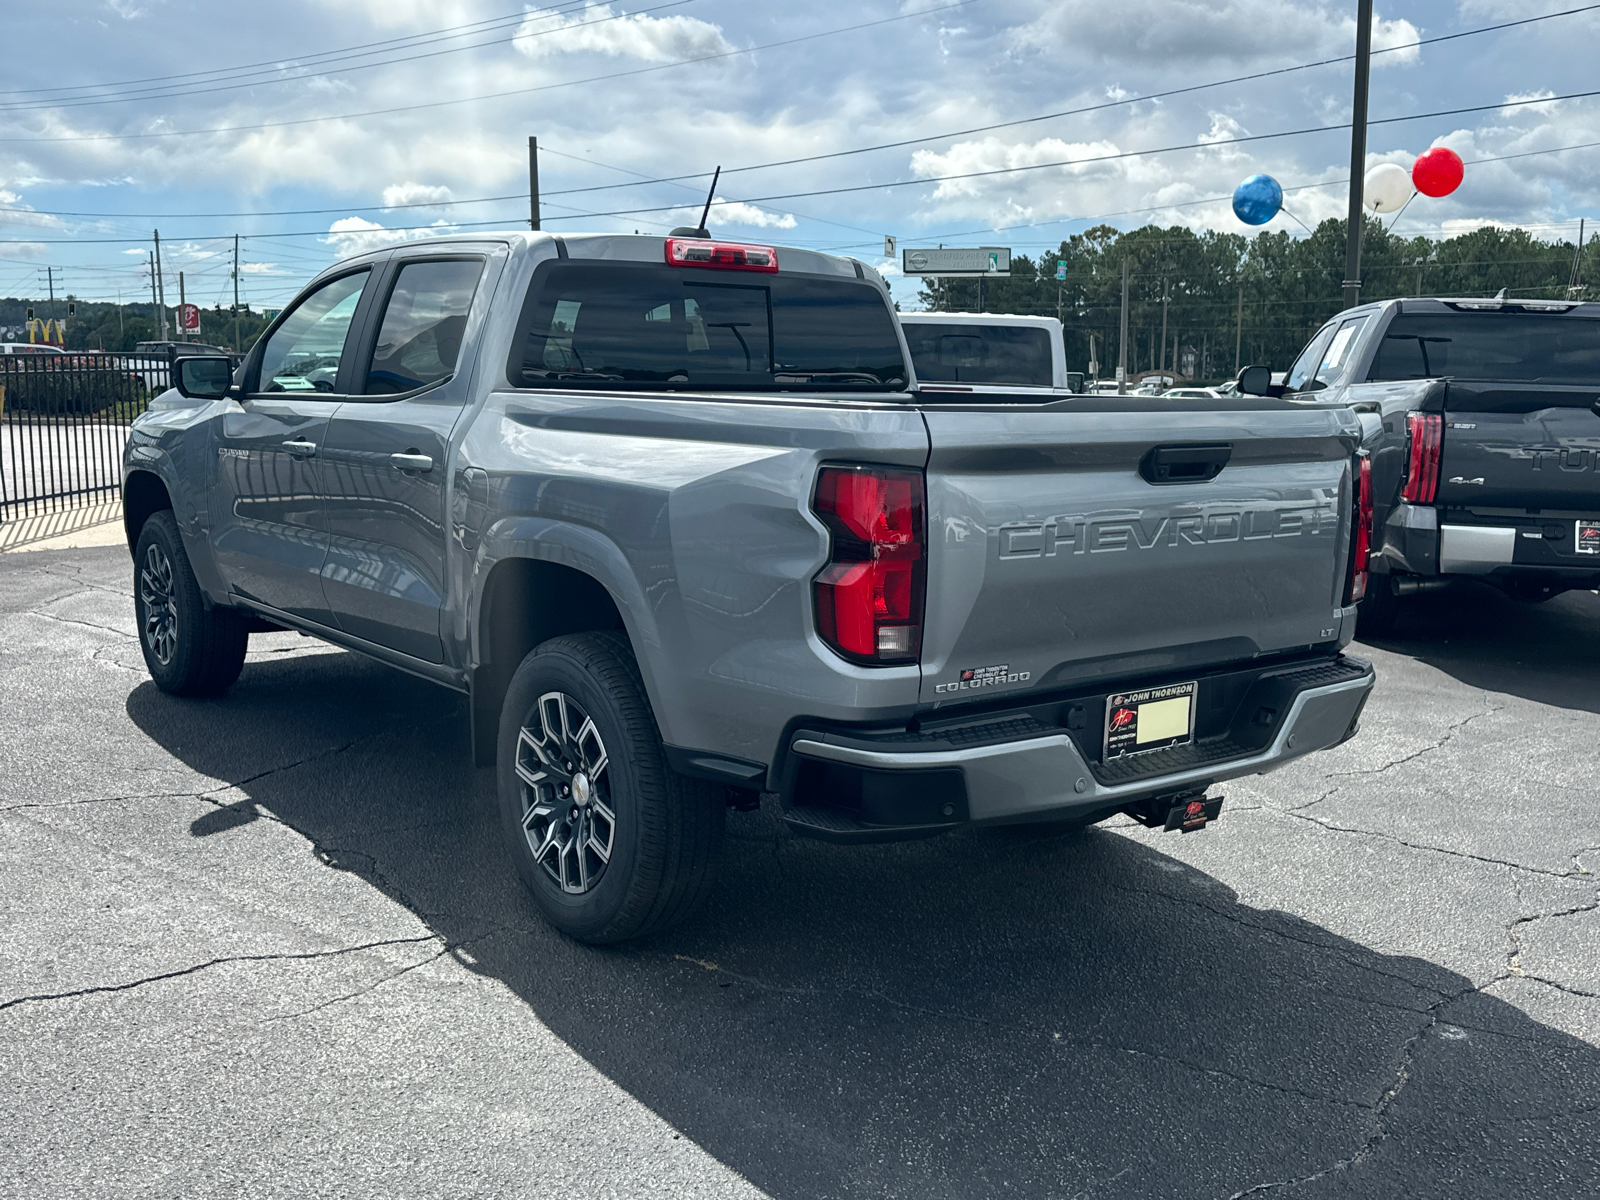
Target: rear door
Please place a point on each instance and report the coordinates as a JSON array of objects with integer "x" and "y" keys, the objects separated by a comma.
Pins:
[
  {"x": 269, "y": 528},
  {"x": 1059, "y": 554},
  {"x": 387, "y": 463}
]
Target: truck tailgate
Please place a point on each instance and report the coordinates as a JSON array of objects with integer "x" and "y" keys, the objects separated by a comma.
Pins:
[
  {"x": 1525, "y": 447},
  {"x": 1053, "y": 561}
]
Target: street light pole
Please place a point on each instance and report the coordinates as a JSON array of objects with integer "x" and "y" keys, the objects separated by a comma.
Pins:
[{"x": 1358, "y": 154}]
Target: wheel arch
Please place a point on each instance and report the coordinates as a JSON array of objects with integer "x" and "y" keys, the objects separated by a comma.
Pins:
[
  {"x": 143, "y": 494},
  {"x": 525, "y": 601}
]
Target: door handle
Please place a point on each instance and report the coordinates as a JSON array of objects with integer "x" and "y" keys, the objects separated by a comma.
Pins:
[
  {"x": 300, "y": 448},
  {"x": 411, "y": 462},
  {"x": 1185, "y": 464}
]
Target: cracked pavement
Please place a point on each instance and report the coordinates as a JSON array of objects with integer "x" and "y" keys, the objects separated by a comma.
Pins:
[{"x": 270, "y": 946}]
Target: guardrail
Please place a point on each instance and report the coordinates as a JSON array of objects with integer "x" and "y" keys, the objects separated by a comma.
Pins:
[{"x": 63, "y": 421}]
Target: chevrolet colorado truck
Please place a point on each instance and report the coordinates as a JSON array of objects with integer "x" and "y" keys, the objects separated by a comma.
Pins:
[
  {"x": 1488, "y": 466},
  {"x": 676, "y": 516}
]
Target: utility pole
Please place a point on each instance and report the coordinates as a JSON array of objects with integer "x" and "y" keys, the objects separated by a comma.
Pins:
[
  {"x": 1166, "y": 300},
  {"x": 1122, "y": 358},
  {"x": 236, "y": 345},
  {"x": 50, "y": 275},
  {"x": 155, "y": 304},
  {"x": 1358, "y": 155},
  {"x": 122, "y": 325},
  {"x": 1575, "y": 283},
  {"x": 161, "y": 291},
  {"x": 183, "y": 335},
  {"x": 533, "y": 184},
  {"x": 1238, "y": 332}
]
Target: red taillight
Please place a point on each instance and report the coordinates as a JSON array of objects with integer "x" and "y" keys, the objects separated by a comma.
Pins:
[
  {"x": 729, "y": 256},
  {"x": 1422, "y": 461},
  {"x": 869, "y": 596},
  {"x": 1361, "y": 534}
]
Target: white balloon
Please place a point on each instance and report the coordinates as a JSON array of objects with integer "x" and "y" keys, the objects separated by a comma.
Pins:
[{"x": 1387, "y": 188}]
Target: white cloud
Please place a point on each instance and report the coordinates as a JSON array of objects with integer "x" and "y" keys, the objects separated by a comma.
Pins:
[
  {"x": 397, "y": 194},
  {"x": 600, "y": 30},
  {"x": 259, "y": 268},
  {"x": 1389, "y": 34},
  {"x": 735, "y": 212},
  {"x": 1540, "y": 94},
  {"x": 1196, "y": 31},
  {"x": 357, "y": 235},
  {"x": 993, "y": 154}
]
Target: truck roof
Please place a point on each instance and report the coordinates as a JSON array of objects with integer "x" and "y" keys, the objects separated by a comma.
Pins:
[
  {"x": 627, "y": 247},
  {"x": 948, "y": 318},
  {"x": 1452, "y": 304}
]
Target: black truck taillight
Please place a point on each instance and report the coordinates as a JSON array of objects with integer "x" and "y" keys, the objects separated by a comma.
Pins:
[
  {"x": 1426, "y": 432},
  {"x": 1361, "y": 531},
  {"x": 869, "y": 596}
]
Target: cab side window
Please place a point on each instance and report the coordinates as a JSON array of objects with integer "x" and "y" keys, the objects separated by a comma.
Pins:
[
  {"x": 1305, "y": 367},
  {"x": 302, "y": 355},
  {"x": 1339, "y": 357},
  {"x": 419, "y": 339}
]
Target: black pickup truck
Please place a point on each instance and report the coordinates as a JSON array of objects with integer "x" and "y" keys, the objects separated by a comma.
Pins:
[{"x": 1488, "y": 464}]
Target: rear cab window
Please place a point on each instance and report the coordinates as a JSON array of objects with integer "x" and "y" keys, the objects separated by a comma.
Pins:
[
  {"x": 596, "y": 324},
  {"x": 1504, "y": 347},
  {"x": 963, "y": 353}
]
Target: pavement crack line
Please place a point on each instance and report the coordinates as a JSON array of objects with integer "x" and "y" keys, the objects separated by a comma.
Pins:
[
  {"x": 44, "y": 616},
  {"x": 1449, "y": 733},
  {"x": 1052, "y": 1039},
  {"x": 371, "y": 987},
  {"x": 1389, "y": 837},
  {"x": 205, "y": 966},
  {"x": 1401, "y": 1076}
]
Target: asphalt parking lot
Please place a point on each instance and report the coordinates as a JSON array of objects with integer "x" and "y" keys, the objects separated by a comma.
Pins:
[{"x": 270, "y": 946}]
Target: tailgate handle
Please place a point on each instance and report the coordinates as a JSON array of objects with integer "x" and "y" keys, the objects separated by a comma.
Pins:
[{"x": 1185, "y": 464}]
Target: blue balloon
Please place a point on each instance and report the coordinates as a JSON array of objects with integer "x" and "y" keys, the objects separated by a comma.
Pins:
[{"x": 1257, "y": 200}]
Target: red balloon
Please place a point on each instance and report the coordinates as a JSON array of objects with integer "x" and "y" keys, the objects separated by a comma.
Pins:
[{"x": 1438, "y": 172}]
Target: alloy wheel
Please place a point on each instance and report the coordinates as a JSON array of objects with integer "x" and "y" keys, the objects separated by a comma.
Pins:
[
  {"x": 567, "y": 813},
  {"x": 156, "y": 595}
]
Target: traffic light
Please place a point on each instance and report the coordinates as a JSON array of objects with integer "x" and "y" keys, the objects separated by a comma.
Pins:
[
  {"x": 30, "y": 312},
  {"x": 72, "y": 308}
]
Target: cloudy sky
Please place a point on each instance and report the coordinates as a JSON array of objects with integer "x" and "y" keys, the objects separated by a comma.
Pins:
[{"x": 314, "y": 129}]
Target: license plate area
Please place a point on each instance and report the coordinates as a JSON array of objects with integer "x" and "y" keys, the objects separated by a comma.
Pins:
[
  {"x": 1586, "y": 538},
  {"x": 1155, "y": 718}
]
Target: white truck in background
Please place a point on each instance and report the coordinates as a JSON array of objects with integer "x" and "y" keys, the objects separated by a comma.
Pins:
[{"x": 988, "y": 352}]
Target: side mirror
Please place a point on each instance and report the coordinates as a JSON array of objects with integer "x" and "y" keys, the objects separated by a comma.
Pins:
[
  {"x": 203, "y": 377},
  {"x": 1255, "y": 380},
  {"x": 1075, "y": 382}
]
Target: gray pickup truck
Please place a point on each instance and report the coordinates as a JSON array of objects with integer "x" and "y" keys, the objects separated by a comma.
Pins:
[
  {"x": 676, "y": 517},
  {"x": 1488, "y": 466}
]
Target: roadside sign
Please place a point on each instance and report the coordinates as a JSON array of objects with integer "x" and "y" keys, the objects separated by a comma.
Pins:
[
  {"x": 888, "y": 245},
  {"x": 1061, "y": 269},
  {"x": 972, "y": 261},
  {"x": 189, "y": 318}
]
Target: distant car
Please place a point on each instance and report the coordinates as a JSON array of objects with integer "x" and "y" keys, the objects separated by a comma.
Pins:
[
  {"x": 28, "y": 348},
  {"x": 1191, "y": 393}
]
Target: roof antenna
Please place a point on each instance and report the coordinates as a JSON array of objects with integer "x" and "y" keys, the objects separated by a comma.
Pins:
[
  {"x": 701, "y": 230},
  {"x": 1503, "y": 294}
]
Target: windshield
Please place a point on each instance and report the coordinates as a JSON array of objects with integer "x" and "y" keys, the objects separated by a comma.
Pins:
[
  {"x": 1504, "y": 347},
  {"x": 960, "y": 353},
  {"x": 592, "y": 324}
]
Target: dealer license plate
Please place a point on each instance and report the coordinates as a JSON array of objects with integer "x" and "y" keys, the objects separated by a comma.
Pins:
[
  {"x": 1154, "y": 719},
  {"x": 1588, "y": 539}
]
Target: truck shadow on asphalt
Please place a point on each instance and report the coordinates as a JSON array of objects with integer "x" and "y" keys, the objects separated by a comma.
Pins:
[
  {"x": 985, "y": 1014},
  {"x": 1548, "y": 652}
]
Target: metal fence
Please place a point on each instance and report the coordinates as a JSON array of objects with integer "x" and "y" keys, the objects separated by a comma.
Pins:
[{"x": 63, "y": 421}]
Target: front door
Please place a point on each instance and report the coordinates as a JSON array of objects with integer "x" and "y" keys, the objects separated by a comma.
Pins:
[
  {"x": 387, "y": 461},
  {"x": 269, "y": 526}
]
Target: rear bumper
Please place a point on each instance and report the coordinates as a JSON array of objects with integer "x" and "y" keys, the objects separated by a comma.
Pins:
[
  {"x": 1048, "y": 776},
  {"x": 1422, "y": 541}
]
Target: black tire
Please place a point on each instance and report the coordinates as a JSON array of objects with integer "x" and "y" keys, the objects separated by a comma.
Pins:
[
  {"x": 1378, "y": 611},
  {"x": 190, "y": 650},
  {"x": 664, "y": 834}
]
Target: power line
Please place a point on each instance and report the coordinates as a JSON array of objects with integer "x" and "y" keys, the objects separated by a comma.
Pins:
[
  {"x": 378, "y": 112},
  {"x": 170, "y": 94}
]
